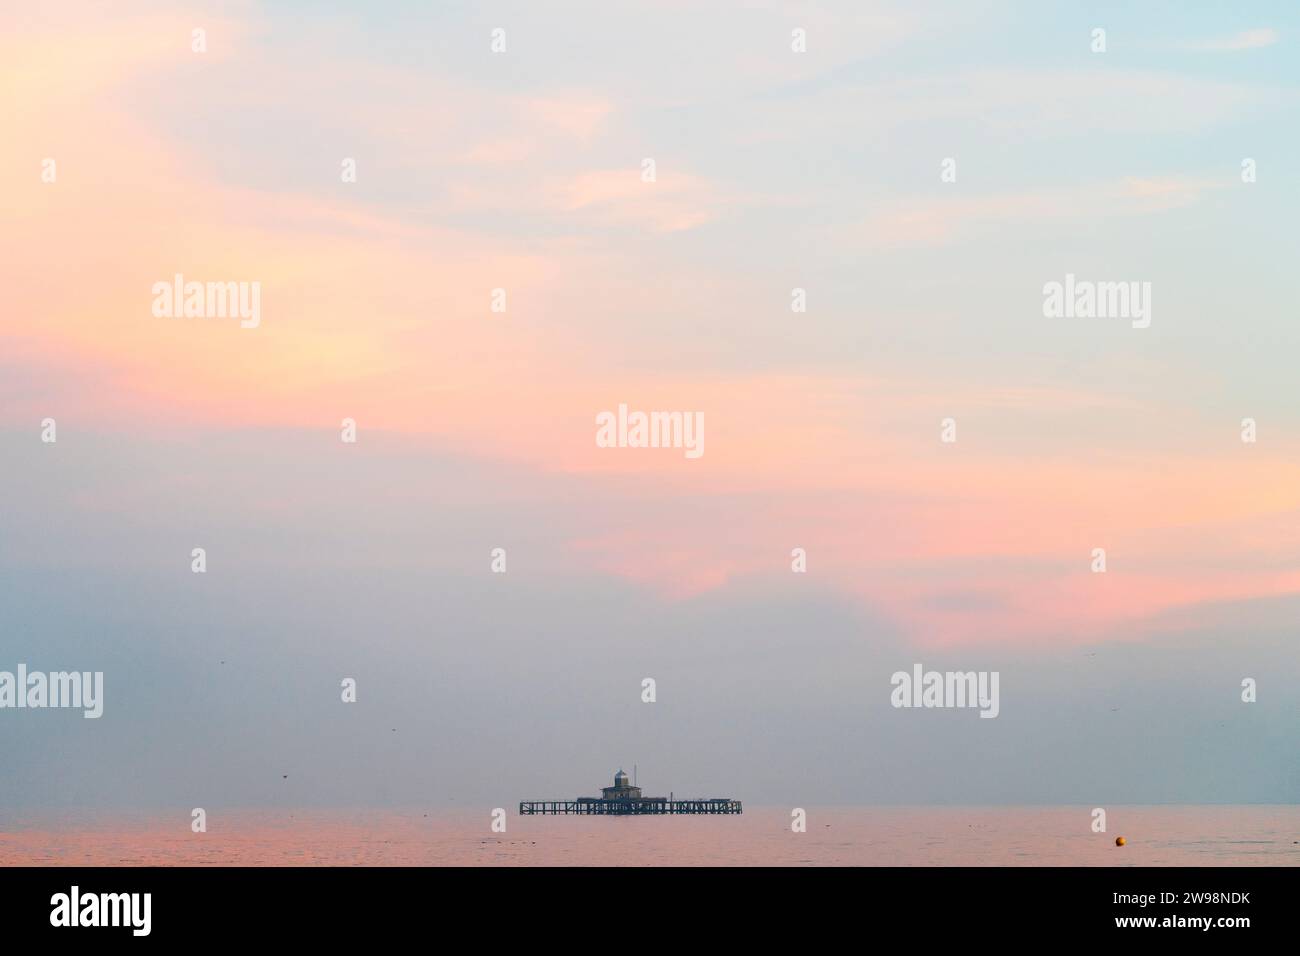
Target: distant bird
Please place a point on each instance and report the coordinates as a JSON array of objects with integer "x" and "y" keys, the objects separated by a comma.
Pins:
[{"x": 286, "y": 776}]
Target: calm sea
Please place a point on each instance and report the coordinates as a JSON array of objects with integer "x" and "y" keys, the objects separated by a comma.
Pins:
[{"x": 872, "y": 836}]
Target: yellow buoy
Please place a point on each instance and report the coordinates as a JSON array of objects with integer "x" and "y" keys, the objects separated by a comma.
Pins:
[{"x": 1120, "y": 841}]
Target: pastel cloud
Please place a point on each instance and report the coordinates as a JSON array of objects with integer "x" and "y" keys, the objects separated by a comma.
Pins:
[
  {"x": 380, "y": 312},
  {"x": 932, "y": 220},
  {"x": 1245, "y": 40},
  {"x": 673, "y": 202}
]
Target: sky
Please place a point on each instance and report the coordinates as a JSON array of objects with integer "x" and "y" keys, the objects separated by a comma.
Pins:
[{"x": 776, "y": 170}]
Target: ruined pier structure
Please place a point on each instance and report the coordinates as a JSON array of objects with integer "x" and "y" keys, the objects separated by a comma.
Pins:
[{"x": 625, "y": 799}]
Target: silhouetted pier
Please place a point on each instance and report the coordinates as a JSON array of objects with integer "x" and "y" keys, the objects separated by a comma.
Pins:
[{"x": 622, "y": 799}]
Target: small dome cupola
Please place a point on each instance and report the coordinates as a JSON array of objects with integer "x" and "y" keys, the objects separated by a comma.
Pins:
[{"x": 620, "y": 778}]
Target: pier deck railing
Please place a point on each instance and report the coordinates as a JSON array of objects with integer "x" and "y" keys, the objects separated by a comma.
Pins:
[{"x": 592, "y": 806}]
